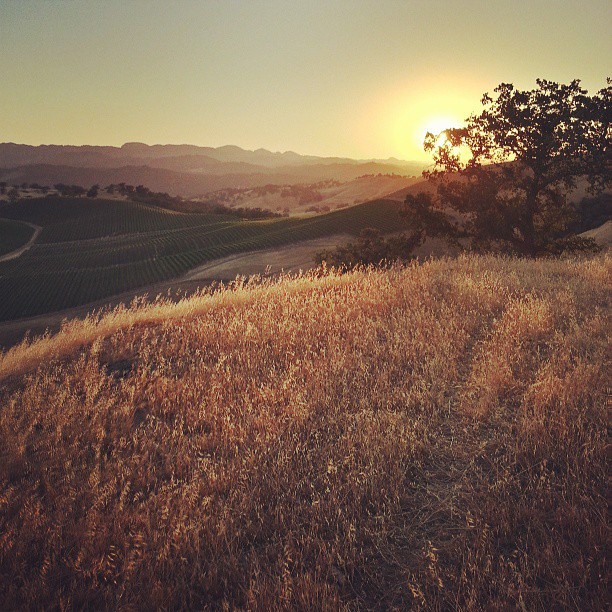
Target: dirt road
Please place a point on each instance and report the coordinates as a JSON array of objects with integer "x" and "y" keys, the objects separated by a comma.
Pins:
[
  {"x": 290, "y": 258},
  {"x": 22, "y": 249}
]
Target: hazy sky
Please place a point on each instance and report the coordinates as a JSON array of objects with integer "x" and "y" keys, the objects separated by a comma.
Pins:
[{"x": 356, "y": 78}]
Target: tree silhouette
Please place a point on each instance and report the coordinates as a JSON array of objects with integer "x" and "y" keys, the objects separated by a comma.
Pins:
[
  {"x": 93, "y": 191},
  {"x": 13, "y": 195},
  {"x": 502, "y": 181}
]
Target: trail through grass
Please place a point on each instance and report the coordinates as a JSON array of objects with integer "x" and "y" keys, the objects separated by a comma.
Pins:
[{"x": 429, "y": 437}]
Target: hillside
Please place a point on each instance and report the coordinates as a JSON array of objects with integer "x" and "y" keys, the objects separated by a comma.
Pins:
[
  {"x": 602, "y": 234},
  {"x": 184, "y": 170},
  {"x": 189, "y": 183},
  {"x": 424, "y": 437},
  {"x": 13, "y": 235},
  {"x": 319, "y": 197},
  {"x": 135, "y": 153},
  {"x": 93, "y": 249}
]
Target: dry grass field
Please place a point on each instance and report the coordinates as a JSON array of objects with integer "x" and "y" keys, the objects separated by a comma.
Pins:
[
  {"x": 431, "y": 437},
  {"x": 344, "y": 194}
]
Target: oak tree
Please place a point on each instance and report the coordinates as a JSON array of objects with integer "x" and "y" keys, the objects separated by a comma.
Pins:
[{"x": 504, "y": 180}]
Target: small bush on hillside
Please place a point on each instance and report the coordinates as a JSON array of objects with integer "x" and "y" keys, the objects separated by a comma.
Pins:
[{"x": 370, "y": 249}]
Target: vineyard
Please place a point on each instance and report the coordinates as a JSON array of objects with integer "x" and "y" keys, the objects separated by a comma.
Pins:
[
  {"x": 92, "y": 249},
  {"x": 13, "y": 235}
]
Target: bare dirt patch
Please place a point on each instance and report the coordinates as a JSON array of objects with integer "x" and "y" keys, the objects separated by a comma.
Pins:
[{"x": 290, "y": 258}]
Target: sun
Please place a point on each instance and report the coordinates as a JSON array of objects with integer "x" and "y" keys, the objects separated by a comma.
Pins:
[
  {"x": 436, "y": 125},
  {"x": 404, "y": 117}
]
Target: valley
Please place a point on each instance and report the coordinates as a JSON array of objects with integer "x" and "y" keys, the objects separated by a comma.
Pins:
[{"x": 89, "y": 250}]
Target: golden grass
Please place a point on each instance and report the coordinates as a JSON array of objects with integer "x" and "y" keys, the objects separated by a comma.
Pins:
[{"x": 431, "y": 436}]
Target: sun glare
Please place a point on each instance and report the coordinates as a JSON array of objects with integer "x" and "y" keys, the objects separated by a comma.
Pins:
[
  {"x": 436, "y": 125},
  {"x": 404, "y": 115}
]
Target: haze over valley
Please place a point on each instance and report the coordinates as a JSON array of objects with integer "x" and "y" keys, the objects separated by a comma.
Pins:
[{"x": 182, "y": 169}]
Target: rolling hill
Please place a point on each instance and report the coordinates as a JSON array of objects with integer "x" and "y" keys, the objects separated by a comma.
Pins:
[
  {"x": 426, "y": 437},
  {"x": 13, "y": 235},
  {"x": 181, "y": 169},
  {"x": 92, "y": 249}
]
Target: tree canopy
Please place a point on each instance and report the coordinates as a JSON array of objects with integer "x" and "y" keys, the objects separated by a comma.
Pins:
[{"x": 503, "y": 180}]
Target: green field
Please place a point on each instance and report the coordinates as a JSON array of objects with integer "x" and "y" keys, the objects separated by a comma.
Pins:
[
  {"x": 92, "y": 249},
  {"x": 13, "y": 235}
]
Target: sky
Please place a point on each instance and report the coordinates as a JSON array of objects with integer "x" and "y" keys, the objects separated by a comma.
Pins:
[{"x": 360, "y": 78}]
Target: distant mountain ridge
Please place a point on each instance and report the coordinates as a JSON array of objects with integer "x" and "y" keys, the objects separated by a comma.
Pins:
[
  {"x": 133, "y": 153},
  {"x": 186, "y": 170}
]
